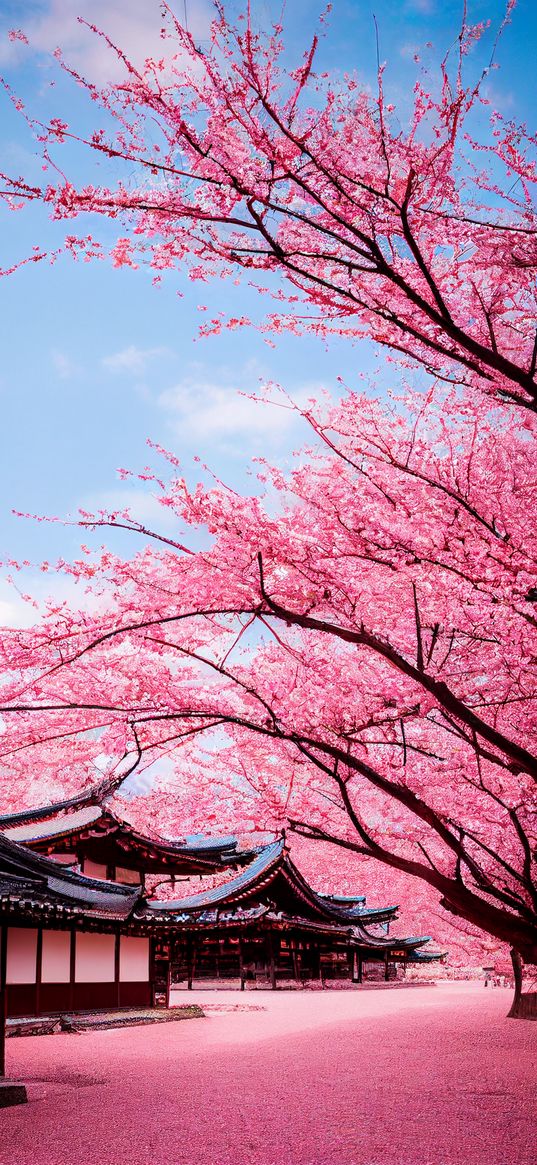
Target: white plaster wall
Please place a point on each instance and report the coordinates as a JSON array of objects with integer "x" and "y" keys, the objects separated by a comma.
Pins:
[
  {"x": 133, "y": 959},
  {"x": 94, "y": 958},
  {"x": 21, "y": 955},
  {"x": 56, "y": 956}
]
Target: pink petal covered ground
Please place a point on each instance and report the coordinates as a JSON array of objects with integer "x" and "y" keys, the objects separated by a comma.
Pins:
[{"x": 428, "y": 1075}]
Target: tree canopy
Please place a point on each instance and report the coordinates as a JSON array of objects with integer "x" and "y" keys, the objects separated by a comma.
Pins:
[{"x": 352, "y": 653}]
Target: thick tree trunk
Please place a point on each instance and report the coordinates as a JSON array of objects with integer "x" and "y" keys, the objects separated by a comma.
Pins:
[{"x": 524, "y": 1006}]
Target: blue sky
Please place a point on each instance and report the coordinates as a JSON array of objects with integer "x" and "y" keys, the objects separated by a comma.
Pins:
[{"x": 95, "y": 360}]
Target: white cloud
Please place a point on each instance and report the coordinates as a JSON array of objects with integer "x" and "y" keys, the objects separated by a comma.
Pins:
[
  {"x": 134, "y": 25},
  {"x": 14, "y": 612},
  {"x": 42, "y": 587},
  {"x": 64, "y": 366},
  {"x": 132, "y": 359},
  {"x": 201, "y": 408},
  {"x": 423, "y": 7}
]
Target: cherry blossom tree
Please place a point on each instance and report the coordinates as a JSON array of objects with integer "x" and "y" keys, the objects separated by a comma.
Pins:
[
  {"x": 356, "y": 663},
  {"x": 351, "y": 654},
  {"x": 224, "y": 159}
]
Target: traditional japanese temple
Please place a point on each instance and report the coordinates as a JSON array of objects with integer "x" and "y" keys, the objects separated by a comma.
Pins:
[
  {"x": 81, "y": 930},
  {"x": 104, "y": 846}
]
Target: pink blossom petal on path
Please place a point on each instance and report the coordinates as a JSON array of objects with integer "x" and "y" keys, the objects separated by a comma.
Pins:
[{"x": 424, "y": 1076}]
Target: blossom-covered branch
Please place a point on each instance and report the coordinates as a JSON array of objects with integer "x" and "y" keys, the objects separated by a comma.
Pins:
[{"x": 222, "y": 160}]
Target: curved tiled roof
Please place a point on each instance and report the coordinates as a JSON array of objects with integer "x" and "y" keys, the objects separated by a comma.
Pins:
[
  {"x": 426, "y": 956},
  {"x": 34, "y": 827},
  {"x": 266, "y": 860},
  {"x": 92, "y": 796},
  {"x": 371, "y": 913},
  {"x": 57, "y": 827},
  {"x": 415, "y": 940},
  {"x": 199, "y": 841},
  {"x": 344, "y": 899},
  {"x": 270, "y": 861},
  {"x": 29, "y": 878}
]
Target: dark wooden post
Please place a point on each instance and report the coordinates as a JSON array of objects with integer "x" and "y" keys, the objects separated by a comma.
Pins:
[
  {"x": 360, "y": 967},
  {"x": 319, "y": 965},
  {"x": 116, "y": 969},
  {"x": 72, "y": 969},
  {"x": 272, "y": 963},
  {"x": 189, "y": 964},
  {"x": 350, "y": 962},
  {"x": 3, "y": 999},
  {"x": 191, "y": 961},
  {"x": 3, "y": 1008},
  {"x": 241, "y": 964},
  {"x": 10, "y": 1093},
  {"x": 38, "y": 971},
  {"x": 386, "y": 966},
  {"x": 295, "y": 959}
]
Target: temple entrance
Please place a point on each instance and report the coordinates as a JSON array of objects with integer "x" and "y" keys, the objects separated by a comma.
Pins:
[{"x": 209, "y": 962}]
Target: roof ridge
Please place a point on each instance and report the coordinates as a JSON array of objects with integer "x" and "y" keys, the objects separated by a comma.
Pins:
[{"x": 41, "y": 812}]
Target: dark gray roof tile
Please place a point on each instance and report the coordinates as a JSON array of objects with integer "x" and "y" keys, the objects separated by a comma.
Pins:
[{"x": 268, "y": 857}]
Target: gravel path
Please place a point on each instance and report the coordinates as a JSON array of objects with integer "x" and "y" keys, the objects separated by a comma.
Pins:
[{"x": 432, "y": 1076}]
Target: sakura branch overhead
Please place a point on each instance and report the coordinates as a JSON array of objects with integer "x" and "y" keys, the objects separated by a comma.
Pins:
[
  {"x": 224, "y": 159},
  {"x": 384, "y": 655}
]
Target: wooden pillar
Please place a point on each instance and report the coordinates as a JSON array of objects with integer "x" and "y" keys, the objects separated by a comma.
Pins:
[
  {"x": 168, "y": 981},
  {"x": 386, "y": 976},
  {"x": 319, "y": 965},
  {"x": 272, "y": 963},
  {"x": 38, "y": 962},
  {"x": 191, "y": 962},
  {"x": 116, "y": 969},
  {"x": 360, "y": 967},
  {"x": 241, "y": 964},
  {"x": 72, "y": 968},
  {"x": 296, "y": 960},
  {"x": 350, "y": 962},
  {"x": 3, "y": 999}
]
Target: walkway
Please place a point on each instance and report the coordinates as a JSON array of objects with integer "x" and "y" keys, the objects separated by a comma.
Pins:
[{"x": 429, "y": 1076}]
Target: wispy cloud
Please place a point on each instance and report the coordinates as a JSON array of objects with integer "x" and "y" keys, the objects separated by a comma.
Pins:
[
  {"x": 203, "y": 409},
  {"x": 132, "y": 360},
  {"x": 422, "y": 7},
  {"x": 16, "y": 610},
  {"x": 135, "y": 26},
  {"x": 63, "y": 364}
]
